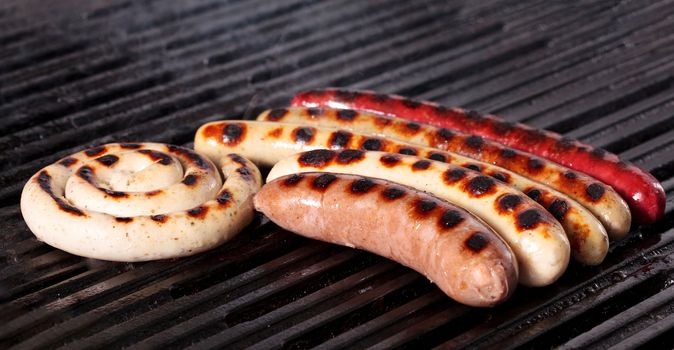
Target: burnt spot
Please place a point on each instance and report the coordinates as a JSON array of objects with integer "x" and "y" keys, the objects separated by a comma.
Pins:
[
  {"x": 564, "y": 143},
  {"x": 129, "y": 145},
  {"x": 476, "y": 242},
  {"x": 190, "y": 179},
  {"x": 125, "y": 220},
  {"x": 315, "y": 112},
  {"x": 277, "y": 114},
  {"x": 570, "y": 175},
  {"x": 340, "y": 139},
  {"x": 93, "y": 152},
  {"x": 157, "y": 156},
  {"x": 350, "y": 156},
  {"x": 114, "y": 194},
  {"x": 322, "y": 182},
  {"x": 293, "y": 180},
  {"x": 473, "y": 167},
  {"x": 346, "y": 95},
  {"x": 233, "y": 134},
  {"x": 393, "y": 193},
  {"x": 224, "y": 197},
  {"x": 474, "y": 115},
  {"x": 304, "y": 135},
  {"x": 275, "y": 133},
  {"x": 86, "y": 173},
  {"x": 424, "y": 207},
  {"x": 371, "y": 144},
  {"x": 319, "y": 158},
  {"x": 153, "y": 193},
  {"x": 346, "y": 114},
  {"x": 411, "y": 104},
  {"x": 382, "y": 121},
  {"x": 507, "y": 153},
  {"x": 238, "y": 159},
  {"x": 480, "y": 185},
  {"x": 413, "y": 126},
  {"x": 450, "y": 219},
  {"x": 438, "y": 157},
  {"x": 245, "y": 173},
  {"x": 108, "y": 160},
  {"x": 598, "y": 153},
  {"x": 361, "y": 186},
  {"x": 595, "y": 191},
  {"x": 502, "y": 127},
  {"x": 503, "y": 177},
  {"x": 529, "y": 219},
  {"x": 159, "y": 218},
  {"x": 454, "y": 175},
  {"x": 389, "y": 160},
  {"x": 535, "y": 164},
  {"x": 475, "y": 142},
  {"x": 421, "y": 165},
  {"x": 558, "y": 208},
  {"x": 444, "y": 135},
  {"x": 67, "y": 162},
  {"x": 408, "y": 151},
  {"x": 509, "y": 202},
  {"x": 535, "y": 194},
  {"x": 44, "y": 181},
  {"x": 198, "y": 212}
]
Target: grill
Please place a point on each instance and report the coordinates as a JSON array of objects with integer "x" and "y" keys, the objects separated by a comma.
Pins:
[{"x": 75, "y": 73}]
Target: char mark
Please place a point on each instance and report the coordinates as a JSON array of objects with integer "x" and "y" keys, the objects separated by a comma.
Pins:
[
  {"x": 340, "y": 139},
  {"x": 438, "y": 157},
  {"x": 453, "y": 175},
  {"x": 125, "y": 220},
  {"x": 67, "y": 162},
  {"x": 595, "y": 191},
  {"x": 44, "y": 181},
  {"x": 529, "y": 219},
  {"x": 421, "y": 165},
  {"x": 159, "y": 218},
  {"x": 108, "y": 159},
  {"x": 558, "y": 208},
  {"x": 304, "y": 135},
  {"x": 450, "y": 219},
  {"x": 323, "y": 181},
  {"x": 346, "y": 114},
  {"x": 130, "y": 145},
  {"x": 293, "y": 180},
  {"x": 198, "y": 212},
  {"x": 233, "y": 133},
  {"x": 509, "y": 202},
  {"x": 157, "y": 156},
  {"x": 362, "y": 186},
  {"x": 224, "y": 197},
  {"x": 350, "y": 156},
  {"x": 476, "y": 242},
  {"x": 480, "y": 185},
  {"x": 190, "y": 179},
  {"x": 475, "y": 142},
  {"x": 408, "y": 151},
  {"x": 371, "y": 144},
  {"x": 389, "y": 160},
  {"x": 277, "y": 114},
  {"x": 92, "y": 152},
  {"x": 393, "y": 193},
  {"x": 319, "y": 158}
]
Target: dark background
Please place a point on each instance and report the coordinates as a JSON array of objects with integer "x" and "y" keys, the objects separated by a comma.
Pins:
[{"x": 77, "y": 73}]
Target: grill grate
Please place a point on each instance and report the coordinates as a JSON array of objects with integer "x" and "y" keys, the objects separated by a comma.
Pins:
[{"x": 74, "y": 74}]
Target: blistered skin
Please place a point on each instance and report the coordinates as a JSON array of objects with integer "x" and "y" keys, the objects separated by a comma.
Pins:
[
  {"x": 456, "y": 251},
  {"x": 266, "y": 143},
  {"x": 536, "y": 238},
  {"x": 643, "y": 193},
  {"x": 139, "y": 201},
  {"x": 600, "y": 199}
]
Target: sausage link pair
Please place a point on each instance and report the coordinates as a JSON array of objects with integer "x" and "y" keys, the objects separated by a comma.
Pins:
[
  {"x": 600, "y": 199},
  {"x": 643, "y": 193},
  {"x": 266, "y": 143},
  {"x": 456, "y": 251},
  {"x": 139, "y": 201},
  {"x": 540, "y": 245}
]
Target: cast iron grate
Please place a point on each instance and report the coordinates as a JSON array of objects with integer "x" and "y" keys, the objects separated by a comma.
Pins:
[{"x": 75, "y": 74}]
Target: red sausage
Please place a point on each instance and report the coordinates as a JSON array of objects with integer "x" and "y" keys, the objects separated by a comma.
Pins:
[
  {"x": 639, "y": 189},
  {"x": 461, "y": 254}
]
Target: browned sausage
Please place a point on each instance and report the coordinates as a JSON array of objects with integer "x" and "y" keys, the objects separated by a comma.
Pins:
[{"x": 456, "y": 251}]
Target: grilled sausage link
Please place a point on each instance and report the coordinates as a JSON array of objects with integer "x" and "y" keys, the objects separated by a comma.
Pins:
[
  {"x": 453, "y": 249},
  {"x": 267, "y": 143},
  {"x": 140, "y": 201},
  {"x": 538, "y": 240},
  {"x": 600, "y": 199},
  {"x": 643, "y": 193}
]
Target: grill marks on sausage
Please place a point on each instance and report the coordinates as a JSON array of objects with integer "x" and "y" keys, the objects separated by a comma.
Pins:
[
  {"x": 362, "y": 186},
  {"x": 130, "y": 145},
  {"x": 411, "y": 104},
  {"x": 293, "y": 180},
  {"x": 318, "y": 158},
  {"x": 275, "y": 133},
  {"x": 224, "y": 198},
  {"x": 393, "y": 193},
  {"x": 372, "y": 144},
  {"x": 454, "y": 175},
  {"x": 508, "y": 202},
  {"x": 473, "y": 167},
  {"x": 108, "y": 159},
  {"x": 535, "y": 165},
  {"x": 507, "y": 153},
  {"x": 408, "y": 151},
  {"x": 87, "y": 174},
  {"x": 190, "y": 179},
  {"x": 450, "y": 219},
  {"x": 157, "y": 156},
  {"x": 421, "y": 165},
  {"x": 476, "y": 242},
  {"x": 346, "y": 114},
  {"x": 304, "y": 135},
  {"x": 529, "y": 219},
  {"x": 534, "y": 194},
  {"x": 277, "y": 114},
  {"x": 340, "y": 139},
  {"x": 124, "y": 220},
  {"x": 389, "y": 160},
  {"x": 424, "y": 207},
  {"x": 503, "y": 177},
  {"x": 558, "y": 208},
  {"x": 161, "y": 218},
  {"x": 438, "y": 157},
  {"x": 322, "y": 182},
  {"x": 315, "y": 112},
  {"x": 233, "y": 133},
  {"x": 67, "y": 162},
  {"x": 595, "y": 191},
  {"x": 245, "y": 173},
  {"x": 196, "y": 158},
  {"x": 44, "y": 181},
  {"x": 93, "y": 152},
  {"x": 198, "y": 212},
  {"x": 474, "y": 142},
  {"x": 480, "y": 186},
  {"x": 350, "y": 156}
]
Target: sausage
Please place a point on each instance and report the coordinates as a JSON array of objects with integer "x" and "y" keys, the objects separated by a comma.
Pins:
[
  {"x": 266, "y": 143},
  {"x": 456, "y": 251},
  {"x": 643, "y": 193},
  {"x": 139, "y": 201},
  {"x": 600, "y": 199},
  {"x": 540, "y": 245}
]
